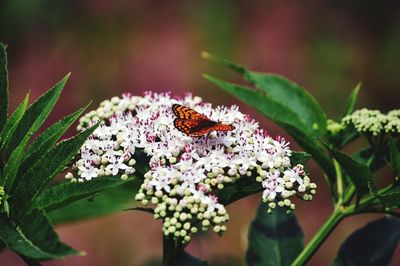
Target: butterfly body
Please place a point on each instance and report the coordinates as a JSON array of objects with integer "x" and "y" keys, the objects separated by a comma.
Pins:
[{"x": 195, "y": 124}]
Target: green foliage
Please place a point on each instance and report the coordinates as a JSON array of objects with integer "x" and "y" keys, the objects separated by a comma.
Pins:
[
  {"x": 34, "y": 237},
  {"x": 34, "y": 116},
  {"x": 394, "y": 156},
  {"x": 373, "y": 244},
  {"x": 116, "y": 197},
  {"x": 358, "y": 172},
  {"x": 47, "y": 139},
  {"x": 12, "y": 122},
  {"x": 26, "y": 169},
  {"x": 351, "y": 102},
  {"x": 274, "y": 239}
]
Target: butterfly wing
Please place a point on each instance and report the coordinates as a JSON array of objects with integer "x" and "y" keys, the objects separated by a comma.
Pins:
[
  {"x": 204, "y": 129},
  {"x": 222, "y": 127},
  {"x": 183, "y": 112},
  {"x": 188, "y": 126}
]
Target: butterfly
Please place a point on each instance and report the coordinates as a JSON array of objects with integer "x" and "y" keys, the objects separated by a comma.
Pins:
[{"x": 195, "y": 124}]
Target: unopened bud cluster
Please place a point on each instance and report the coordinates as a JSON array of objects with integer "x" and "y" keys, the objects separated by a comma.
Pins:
[{"x": 374, "y": 122}]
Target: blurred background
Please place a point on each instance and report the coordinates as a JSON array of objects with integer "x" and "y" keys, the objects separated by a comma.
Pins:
[{"x": 120, "y": 46}]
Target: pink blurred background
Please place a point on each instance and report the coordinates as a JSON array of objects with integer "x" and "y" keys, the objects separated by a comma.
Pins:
[{"x": 119, "y": 46}]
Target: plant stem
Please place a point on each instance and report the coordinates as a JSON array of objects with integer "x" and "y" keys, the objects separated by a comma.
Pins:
[
  {"x": 312, "y": 246},
  {"x": 169, "y": 250},
  {"x": 339, "y": 181}
]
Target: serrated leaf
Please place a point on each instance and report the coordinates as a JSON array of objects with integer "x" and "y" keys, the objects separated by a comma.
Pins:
[
  {"x": 28, "y": 186},
  {"x": 47, "y": 139},
  {"x": 35, "y": 115},
  {"x": 373, "y": 244},
  {"x": 34, "y": 237},
  {"x": 12, "y": 122},
  {"x": 274, "y": 239},
  {"x": 12, "y": 165},
  {"x": 3, "y": 86},
  {"x": 394, "y": 156},
  {"x": 67, "y": 192},
  {"x": 269, "y": 107},
  {"x": 111, "y": 200},
  {"x": 351, "y": 102},
  {"x": 284, "y": 91},
  {"x": 358, "y": 172}
]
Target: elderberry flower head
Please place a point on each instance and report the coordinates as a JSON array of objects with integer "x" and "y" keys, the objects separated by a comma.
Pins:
[
  {"x": 374, "y": 122},
  {"x": 185, "y": 174}
]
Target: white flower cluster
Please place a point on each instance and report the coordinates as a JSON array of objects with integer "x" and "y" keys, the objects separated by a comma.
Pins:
[
  {"x": 374, "y": 122},
  {"x": 393, "y": 121},
  {"x": 184, "y": 172}
]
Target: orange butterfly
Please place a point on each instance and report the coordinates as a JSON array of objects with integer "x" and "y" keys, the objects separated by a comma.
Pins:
[{"x": 195, "y": 124}]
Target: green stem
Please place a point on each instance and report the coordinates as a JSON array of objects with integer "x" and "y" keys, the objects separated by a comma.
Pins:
[
  {"x": 312, "y": 246},
  {"x": 339, "y": 181},
  {"x": 171, "y": 249},
  {"x": 348, "y": 196}
]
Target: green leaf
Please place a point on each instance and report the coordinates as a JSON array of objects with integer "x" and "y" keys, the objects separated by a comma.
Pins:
[
  {"x": 274, "y": 239},
  {"x": 390, "y": 199},
  {"x": 67, "y": 192},
  {"x": 299, "y": 157},
  {"x": 375, "y": 159},
  {"x": 269, "y": 107},
  {"x": 12, "y": 165},
  {"x": 47, "y": 139},
  {"x": 3, "y": 85},
  {"x": 35, "y": 115},
  {"x": 30, "y": 184},
  {"x": 351, "y": 102},
  {"x": 34, "y": 237},
  {"x": 293, "y": 96},
  {"x": 12, "y": 122},
  {"x": 240, "y": 189},
  {"x": 358, "y": 172},
  {"x": 284, "y": 91},
  {"x": 106, "y": 202},
  {"x": 373, "y": 244},
  {"x": 394, "y": 156}
]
